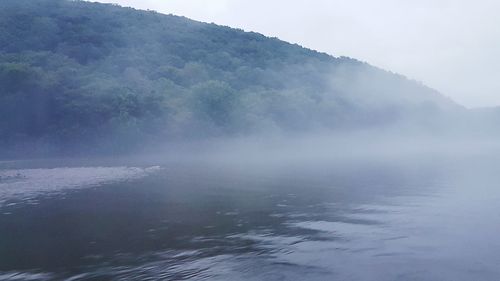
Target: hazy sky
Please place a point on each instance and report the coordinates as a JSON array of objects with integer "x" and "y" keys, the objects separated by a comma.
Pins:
[{"x": 450, "y": 45}]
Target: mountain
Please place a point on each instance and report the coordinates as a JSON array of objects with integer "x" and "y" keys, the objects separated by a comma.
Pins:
[{"x": 80, "y": 74}]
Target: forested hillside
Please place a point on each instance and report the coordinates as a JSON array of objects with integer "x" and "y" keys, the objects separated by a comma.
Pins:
[{"x": 94, "y": 75}]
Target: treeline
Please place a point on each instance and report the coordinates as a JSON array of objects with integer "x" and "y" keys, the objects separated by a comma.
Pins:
[{"x": 92, "y": 75}]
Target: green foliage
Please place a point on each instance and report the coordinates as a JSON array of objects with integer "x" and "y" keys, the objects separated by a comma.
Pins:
[{"x": 75, "y": 72}]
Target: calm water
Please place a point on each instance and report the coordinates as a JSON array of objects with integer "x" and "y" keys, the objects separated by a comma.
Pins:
[{"x": 427, "y": 218}]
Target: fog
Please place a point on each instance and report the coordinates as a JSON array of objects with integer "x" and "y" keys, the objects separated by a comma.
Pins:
[
  {"x": 141, "y": 146},
  {"x": 448, "y": 45},
  {"x": 128, "y": 79}
]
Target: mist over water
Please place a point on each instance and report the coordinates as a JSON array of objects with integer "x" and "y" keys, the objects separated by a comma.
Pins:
[
  {"x": 142, "y": 146},
  {"x": 245, "y": 215}
]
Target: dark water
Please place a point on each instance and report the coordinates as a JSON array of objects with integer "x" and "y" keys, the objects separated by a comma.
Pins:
[{"x": 417, "y": 219}]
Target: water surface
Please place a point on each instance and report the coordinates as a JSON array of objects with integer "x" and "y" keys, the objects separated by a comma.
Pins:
[{"x": 430, "y": 218}]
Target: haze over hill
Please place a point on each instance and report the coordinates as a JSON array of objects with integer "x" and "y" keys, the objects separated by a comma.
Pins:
[
  {"x": 96, "y": 76},
  {"x": 141, "y": 146}
]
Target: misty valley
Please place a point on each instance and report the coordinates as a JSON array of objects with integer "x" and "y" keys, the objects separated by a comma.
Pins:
[{"x": 136, "y": 145}]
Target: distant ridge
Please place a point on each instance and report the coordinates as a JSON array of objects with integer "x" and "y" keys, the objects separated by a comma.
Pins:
[{"x": 99, "y": 75}]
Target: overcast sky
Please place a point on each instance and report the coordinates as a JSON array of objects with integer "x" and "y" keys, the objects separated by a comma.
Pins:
[{"x": 450, "y": 45}]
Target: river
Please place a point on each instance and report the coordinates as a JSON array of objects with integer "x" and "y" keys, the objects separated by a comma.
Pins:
[{"x": 423, "y": 218}]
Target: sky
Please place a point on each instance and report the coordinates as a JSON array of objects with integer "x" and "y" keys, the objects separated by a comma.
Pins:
[{"x": 450, "y": 45}]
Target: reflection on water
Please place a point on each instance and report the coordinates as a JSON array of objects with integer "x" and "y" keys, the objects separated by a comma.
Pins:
[
  {"x": 424, "y": 220},
  {"x": 26, "y": 185}
]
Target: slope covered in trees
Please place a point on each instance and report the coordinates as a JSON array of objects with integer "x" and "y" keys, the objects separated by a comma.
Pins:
[{"x": 95, "y": 75}]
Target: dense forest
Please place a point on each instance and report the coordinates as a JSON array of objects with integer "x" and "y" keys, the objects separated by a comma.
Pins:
[{"x": 97, "y": 76}]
